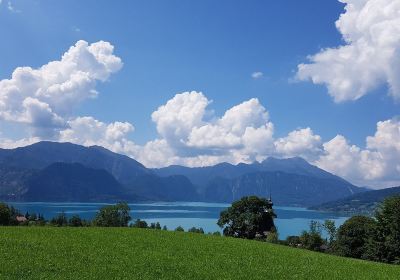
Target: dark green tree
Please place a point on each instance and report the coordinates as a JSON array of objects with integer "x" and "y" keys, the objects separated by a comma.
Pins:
[
  {"x": 196, "y": 230},
  {"x": 330, "y": 227},
  {"x": 353, "y": 235},
  {"x": 5, "y": 215},
  {"x": 75, "y": 221},
  {"x": 33, "y": 217},
  {"x": 113, "y": 216},
  {"x": 248, "y": 217},
  {"x": 384, "y": 244},
  {"x": 312, "y": 239},
  {"x": 60, "y": 220},
  {"x": 139, "y": 224},
  {"x": 179, "y": 228}
]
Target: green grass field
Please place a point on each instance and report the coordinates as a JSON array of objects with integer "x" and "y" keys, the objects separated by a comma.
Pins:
[{"x": 126, "y": 253}]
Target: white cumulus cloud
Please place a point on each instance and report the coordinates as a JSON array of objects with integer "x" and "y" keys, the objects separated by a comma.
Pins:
[
  {"x": 43, "y": 98},
  {"x": 378, "y": 163},
  {"x": 301, "y": 142},
  {"x": 88, "y": 131},
  {"x": 257, "y": 75},
  {"x": 370, "y": 56}
]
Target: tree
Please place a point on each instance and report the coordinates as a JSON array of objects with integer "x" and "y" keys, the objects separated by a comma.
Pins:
[
  {"x": 179, "y": 228},
  {"x": 113, "y": 216},
  {"x": 196, "y": 230},
  {"x": 164, "y": 228},
  {"x": 75, "y": 221},
  {"x": 33, "y": 217},
  {"x": 139, "y": 224},
  {"x": 248, "y": 217},
  {"x": 5, "y": 215},
  {"x": 59, "y": 220},
  {"x": 330, "y": 227},
  {"x": 384, "y": 244},
  {"x": 353, "y": 235},
  {"x": 312, "y": 239}
]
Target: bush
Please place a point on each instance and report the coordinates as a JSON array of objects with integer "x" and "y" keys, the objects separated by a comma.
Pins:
[
  {"x": 75, "y": 221},
  {"x": 155, "y": 226},
  {"x": 196, "y": 230},
  {"x": 312, "y": 239},
  {"x": 293, "y": 241},
  {"x": 139, "y": 224},
  {"x": 59, "y": 220},
  {"x": 179, "y": 228}
]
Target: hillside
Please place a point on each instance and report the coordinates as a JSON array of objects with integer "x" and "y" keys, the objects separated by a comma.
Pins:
[
  {"x": 365, "y": 202},
  {"x": 125, "y": 253},
  {"x": 13, "y": 181},
  {"x": 73, "y": 182}
]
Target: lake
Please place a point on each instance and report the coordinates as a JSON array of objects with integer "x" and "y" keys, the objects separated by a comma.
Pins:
[{"x": 290, "y": 221}]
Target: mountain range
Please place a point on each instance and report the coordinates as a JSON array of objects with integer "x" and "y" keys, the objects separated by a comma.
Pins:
[{"x": 52, "y": 171}]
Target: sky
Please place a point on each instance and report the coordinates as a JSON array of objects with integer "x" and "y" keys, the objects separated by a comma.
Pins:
[{"x": 201, "y": 82}]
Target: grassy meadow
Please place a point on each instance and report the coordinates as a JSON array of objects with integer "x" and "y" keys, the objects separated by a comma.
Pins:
[{"x": 127, "y": 253}]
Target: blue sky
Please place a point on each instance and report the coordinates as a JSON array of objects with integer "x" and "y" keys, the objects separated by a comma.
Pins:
[{"x": 213, "y": 47}]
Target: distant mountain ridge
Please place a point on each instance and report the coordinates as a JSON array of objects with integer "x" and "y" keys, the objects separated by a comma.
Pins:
[
  {"x": 200, "y": 175},
  {"x": 138, "y": 182},
  {"x": 42, "y": 154},
  {"x": 61, "y": 173},
  {"x": 365, "y": 202},
  {"x": 292, "y": 181}
]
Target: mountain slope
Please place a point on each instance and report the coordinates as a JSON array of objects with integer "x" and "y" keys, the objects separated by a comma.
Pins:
[
  {"x": 171, "y": 188},
  {"x": 42, "y": 154},
  {"x": 72, "y": 182},
  {"x": 13, "y": 182},
  {"x": 285, "y": 188},
  {"x": 365, "y": 202}
]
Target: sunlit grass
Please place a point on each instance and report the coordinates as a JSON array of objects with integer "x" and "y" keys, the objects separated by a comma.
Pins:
[{"x": 126, "y": 253}]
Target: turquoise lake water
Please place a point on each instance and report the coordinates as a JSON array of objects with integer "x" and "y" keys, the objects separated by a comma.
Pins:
[{"x": 290, "y": 220}]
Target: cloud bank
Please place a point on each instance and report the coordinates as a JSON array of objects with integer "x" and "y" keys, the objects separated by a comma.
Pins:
[{"x": 370, "y": 56}]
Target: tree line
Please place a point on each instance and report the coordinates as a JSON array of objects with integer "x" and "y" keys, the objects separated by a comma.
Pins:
[
  {"x": 117, "y": 215},
  {"x": 374, "y": 238}
]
